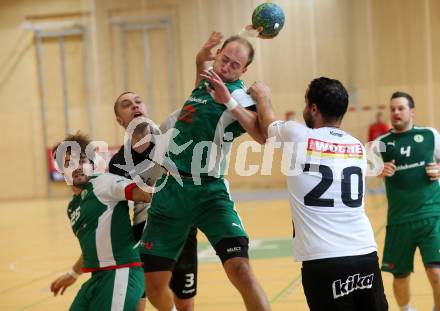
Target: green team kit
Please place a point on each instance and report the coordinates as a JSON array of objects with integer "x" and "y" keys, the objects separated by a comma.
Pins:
[
  {"x": 413, "y": 199},
  {"x": 207, "y": 129},
  {"x": 100, "y": 220}
]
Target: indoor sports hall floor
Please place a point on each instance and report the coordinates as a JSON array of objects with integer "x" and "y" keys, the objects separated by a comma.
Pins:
[{"x": 37, "y": 245}]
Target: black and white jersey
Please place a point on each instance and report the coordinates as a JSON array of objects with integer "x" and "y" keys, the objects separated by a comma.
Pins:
[
  {"x": 152, "y": 158},
  {"x": 326, "y": 183}
]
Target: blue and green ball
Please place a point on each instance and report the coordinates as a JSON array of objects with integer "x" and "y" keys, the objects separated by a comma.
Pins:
[{"x": 270, "y": 17}]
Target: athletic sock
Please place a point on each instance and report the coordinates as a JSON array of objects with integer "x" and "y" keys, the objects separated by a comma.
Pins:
[{"x": 407, "y": 308}]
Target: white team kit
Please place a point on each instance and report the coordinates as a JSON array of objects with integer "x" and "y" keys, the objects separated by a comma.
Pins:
[
  {"x": 326, "y": 193},
  {"x": 332, "y": 234}
]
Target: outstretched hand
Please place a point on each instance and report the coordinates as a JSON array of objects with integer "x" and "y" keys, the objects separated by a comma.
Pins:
[
  {"x": 259, "y": 30},
  {"x": 216, "y": 86},
  {"x": 206, "y": 54},
  {"x": 259, "y": 90},
  {"x": 433, "y": 171},
  {"x": 61, "y": 283},
  {"x": 389, "y": 169}
]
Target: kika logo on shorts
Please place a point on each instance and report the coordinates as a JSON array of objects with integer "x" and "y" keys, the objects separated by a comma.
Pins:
[
  {"x": 353, "y": 282},
  {"x": 235, "y": 249}
]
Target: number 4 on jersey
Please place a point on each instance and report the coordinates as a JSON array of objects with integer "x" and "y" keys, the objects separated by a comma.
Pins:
[{"x": 406, "y": 151}]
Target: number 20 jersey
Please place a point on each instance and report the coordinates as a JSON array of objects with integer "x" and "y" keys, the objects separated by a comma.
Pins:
[{"x": 326, "y": 182}]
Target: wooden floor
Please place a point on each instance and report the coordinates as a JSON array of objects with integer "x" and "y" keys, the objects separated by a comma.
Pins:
[{"x": 37, "y": 245}]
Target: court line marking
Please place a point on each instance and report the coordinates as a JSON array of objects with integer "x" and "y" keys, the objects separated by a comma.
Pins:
[
  {"x": 34, "y": 303},
  {"x": 10, "y": 289},
  {"x": 287, "y": 290}
]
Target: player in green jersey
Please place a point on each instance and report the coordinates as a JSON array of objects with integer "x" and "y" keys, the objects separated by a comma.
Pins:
[
  {"x": 411, "y": 172},
  {"x": 99, "y": 217},
  {"x": 206, "y": 129},
  {"x": 127, "y": 107}
]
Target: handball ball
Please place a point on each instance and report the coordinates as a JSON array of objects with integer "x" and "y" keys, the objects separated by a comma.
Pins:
[{"x": 270, "y": 17}]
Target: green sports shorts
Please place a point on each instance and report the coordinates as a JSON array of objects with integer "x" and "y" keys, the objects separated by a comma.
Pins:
[
  {"x": 401, "y": 241},
  {"x": 119, "y": 289},
  {"x": 175, "y": 208}
]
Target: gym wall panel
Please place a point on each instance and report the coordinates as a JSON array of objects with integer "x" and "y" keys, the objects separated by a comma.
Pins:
[{"x": 374, "y": 47}]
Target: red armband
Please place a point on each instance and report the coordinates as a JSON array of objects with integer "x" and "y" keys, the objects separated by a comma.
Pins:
[{"x": 129, "y": 191}]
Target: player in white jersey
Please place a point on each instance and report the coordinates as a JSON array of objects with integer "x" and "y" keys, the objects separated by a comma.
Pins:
[{"x": 332, "y": 234}]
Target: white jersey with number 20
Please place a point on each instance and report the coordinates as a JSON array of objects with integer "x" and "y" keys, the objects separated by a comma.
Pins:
[{"x": 326, "y": 183}]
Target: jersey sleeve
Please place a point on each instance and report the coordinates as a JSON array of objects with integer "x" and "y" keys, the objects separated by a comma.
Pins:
[
  {"x": 170, "y": 121},
  {"x": 243, "y": 98},
  {"x": 110, "y": 188},
  {"x": 375, "y": 151},
  {"x": 293, "y": 131},
  {"x": 436, "y": 145},
  {"x": 116, "y": 159}
]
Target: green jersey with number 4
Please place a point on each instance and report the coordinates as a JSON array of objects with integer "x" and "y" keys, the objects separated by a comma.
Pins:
[{"x": 411, "y": 194}]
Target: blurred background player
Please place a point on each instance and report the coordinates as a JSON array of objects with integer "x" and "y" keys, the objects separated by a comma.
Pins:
[
  {"x": 379, "y": 128},
  {"x": 99, "y": 217},
  {"x": 411, "y": 172},
  {"x": 332, "y": 234},
  {"x": 204, "y": 198}
]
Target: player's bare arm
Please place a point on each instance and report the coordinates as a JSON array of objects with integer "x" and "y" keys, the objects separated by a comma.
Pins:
[
  {"x": 260, "y": 92},
  {"x": 141, "y": 133},
  {"x": 64, "y": 281},
  {"x": 247, "y": 119},
  {"x": 389, "y": 168},
  {"x": 433, "y": 171},
  {"x": 139, "y": 195},
  {"x": 206, "y": 54}
]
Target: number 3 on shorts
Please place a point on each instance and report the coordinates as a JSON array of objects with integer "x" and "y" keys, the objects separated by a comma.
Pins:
[{"x": 189, "y": 280}]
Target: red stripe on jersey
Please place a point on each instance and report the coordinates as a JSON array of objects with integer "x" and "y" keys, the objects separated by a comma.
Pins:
[
  {"x": 129, "y": 191},
  {"x": 128, "y": 265}
]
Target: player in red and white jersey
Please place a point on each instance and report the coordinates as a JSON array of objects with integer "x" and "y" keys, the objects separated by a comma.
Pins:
[{"x": 326, "y": 182}]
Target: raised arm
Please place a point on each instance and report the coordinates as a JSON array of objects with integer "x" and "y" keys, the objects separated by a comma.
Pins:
[
  {"x": 247, "y": 119},
  {"x": 206, "y": 55},
  {"x": 260, "y": 92}
]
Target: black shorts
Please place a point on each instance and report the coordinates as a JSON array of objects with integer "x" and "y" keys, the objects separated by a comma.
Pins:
[
  {"x": 184, "y": 278},
  {"x": 352, "y": 283}
]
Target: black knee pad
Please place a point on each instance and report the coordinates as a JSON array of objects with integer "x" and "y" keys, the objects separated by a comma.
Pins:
[{"x": 232, "y": 247}]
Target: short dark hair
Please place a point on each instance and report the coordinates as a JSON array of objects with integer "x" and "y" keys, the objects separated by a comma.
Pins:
[
  {"x": 82, "y": 139},
  {"x": 115, "y": 105},
  {"x": 243, "y": 41},
  {"x": 330, "y": 96},
  {"x": 405, "y": 95}
]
